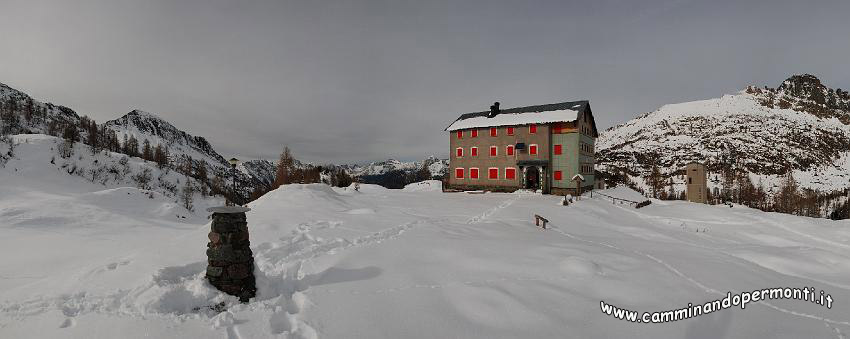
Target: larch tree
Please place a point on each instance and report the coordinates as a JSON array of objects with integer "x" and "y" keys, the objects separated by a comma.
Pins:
[{"x": 285, "y": 167}]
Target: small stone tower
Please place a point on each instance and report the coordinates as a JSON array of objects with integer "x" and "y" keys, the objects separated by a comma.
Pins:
[
  {"x": 697, "y": 183},
  {"x": 230, "y": 261}
]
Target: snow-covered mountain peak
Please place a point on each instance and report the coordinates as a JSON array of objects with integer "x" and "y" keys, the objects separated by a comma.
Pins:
[
  {"x": 143, "y": 115},
  {"x": 147, "y": 122},
  {"x": 148, "y": 126},
  {"x": 805, "y": 93},
  {"x": 800, "y": 126}
]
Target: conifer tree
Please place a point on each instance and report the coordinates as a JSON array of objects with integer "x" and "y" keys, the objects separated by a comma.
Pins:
[
  {"x": 656, "y": 181},
  {"x": 92, "y": 138},
  {"x": 147, "y": 152}
]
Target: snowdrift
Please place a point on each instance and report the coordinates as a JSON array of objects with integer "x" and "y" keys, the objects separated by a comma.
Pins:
[{"x": 425, "y": 186}]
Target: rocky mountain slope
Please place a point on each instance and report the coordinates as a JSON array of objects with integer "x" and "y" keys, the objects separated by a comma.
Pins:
[
  {"x": 143, "y": 125},
  {"x": 21, "y": 114},
  {"x": 801, "y": 127}
]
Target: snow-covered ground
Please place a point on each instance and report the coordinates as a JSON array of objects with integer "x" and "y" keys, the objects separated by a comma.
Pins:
[{"x": 80, "y": 261}]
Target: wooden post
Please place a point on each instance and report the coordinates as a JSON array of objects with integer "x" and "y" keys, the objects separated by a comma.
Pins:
[{"x": 538, "y": 219}]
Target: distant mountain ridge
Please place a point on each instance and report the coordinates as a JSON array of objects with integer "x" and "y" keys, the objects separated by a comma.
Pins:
[
  {"x": 24, "y": 115},
  {"x": 436, "y": 166}
]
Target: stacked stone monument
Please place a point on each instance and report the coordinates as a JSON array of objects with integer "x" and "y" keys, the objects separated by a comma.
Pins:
[{"x": 230, "y": 260}]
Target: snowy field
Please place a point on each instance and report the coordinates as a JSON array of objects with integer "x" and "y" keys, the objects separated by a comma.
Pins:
[{"x": 83, "y": 261}]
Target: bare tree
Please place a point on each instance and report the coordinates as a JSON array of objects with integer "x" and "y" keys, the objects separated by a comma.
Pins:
[
  {"x": 285, "y": 169},
  {"x": 187, "y": 195}
]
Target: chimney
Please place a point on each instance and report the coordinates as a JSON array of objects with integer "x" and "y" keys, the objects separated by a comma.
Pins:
[{"x": 494, "y": 110}]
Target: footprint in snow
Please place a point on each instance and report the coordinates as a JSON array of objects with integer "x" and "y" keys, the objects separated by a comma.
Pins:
[
  {"x": 69, "y": 322},
  {"x": 115, "y": 265}
]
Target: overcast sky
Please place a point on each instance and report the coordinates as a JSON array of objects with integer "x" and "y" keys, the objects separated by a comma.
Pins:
[{"x": 356, "y": 81}]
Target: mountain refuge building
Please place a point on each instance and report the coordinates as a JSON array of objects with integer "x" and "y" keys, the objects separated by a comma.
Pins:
[{"x": 544, "y": 147}]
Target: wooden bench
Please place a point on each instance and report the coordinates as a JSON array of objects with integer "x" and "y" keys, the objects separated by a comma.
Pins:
[{"x": 537, "y": 220}]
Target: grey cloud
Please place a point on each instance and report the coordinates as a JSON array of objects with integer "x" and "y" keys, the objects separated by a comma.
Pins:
[{"x": 342, "y": 81}]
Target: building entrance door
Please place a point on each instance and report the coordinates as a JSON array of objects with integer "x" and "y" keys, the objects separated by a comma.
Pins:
[{"x": 532, "y": 178}]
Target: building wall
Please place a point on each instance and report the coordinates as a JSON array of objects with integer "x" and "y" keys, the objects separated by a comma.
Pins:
[
  {"x": 571, "y": 136},
  {"x": 697, "y": 188},
  {"x": 501, "y": 161}
]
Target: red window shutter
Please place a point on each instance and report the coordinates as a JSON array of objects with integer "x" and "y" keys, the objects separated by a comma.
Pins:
[
  {"x": 494, "y": 173},
  {"x": 493, "y": 131},
  {"x": 510, "y": 131},
  {"x": 558, "y": 175},
  {"x": 510, "y": 150},
  {"x": 473, "y": 173},
  {"x": 473, "y": 151},
  {"x": 474, "y": 133},
  {"x": 532, "y": 129},
  {"x": 460, "y": 152},
  {"x": 459, "y": 173},
  {"x": 460, "y": 134},
  {"x": 558, "y": 149},
  {"x": 510, "y": 173},
  {"x": 493, "y": 151},
  {"x": 532, "y": 149}
]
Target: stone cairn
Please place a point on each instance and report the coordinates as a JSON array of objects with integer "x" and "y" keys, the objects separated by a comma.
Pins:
[{"x": 230, "y": 260}]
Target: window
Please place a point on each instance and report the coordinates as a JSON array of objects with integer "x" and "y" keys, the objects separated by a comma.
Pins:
[
  {"x": 459, "y": 173},
  {"x": 510, "y": 173},
  {"x": 690, "y": 180},
  {"x": 510, "y": 131},
  {"x": 474, "y": 133},
  {"x": 558, "y": 150},
  {"x": 473, "y": 151},
  {"x": 532, "y": 129},
  {"x": 460, "y": 134},
  {"x": 459, "y": 152},
  {"x": 509, "y": 150},
  {"x": 532, "y": 149},
  {"x": 493, "y": 131},
  {"x": 494, "y": 151},
  {"x": 559, "y": 175},
  {"x": 493, "y": 173},
  {"x": 473, "y": 173}
]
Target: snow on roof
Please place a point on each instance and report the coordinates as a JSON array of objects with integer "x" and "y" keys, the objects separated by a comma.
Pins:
[
  {"x": 514, "y": 119},
  {"x": 560, "y": 112},
  {"x": 578, "y": 176}
]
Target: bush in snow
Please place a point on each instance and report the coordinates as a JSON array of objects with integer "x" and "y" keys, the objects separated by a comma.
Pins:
[{"x": 143, "y": 179}]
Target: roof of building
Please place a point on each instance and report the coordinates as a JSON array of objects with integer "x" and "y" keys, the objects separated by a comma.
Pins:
[{"x": 559, "y": 112}]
